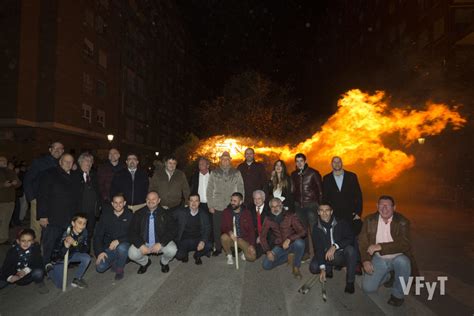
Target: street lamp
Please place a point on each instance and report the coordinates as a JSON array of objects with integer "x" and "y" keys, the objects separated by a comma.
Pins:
[
  {"x": 110, "y": 137},
  {"x": 157, "y": 153},
  {"x": 421, "y": 140}
]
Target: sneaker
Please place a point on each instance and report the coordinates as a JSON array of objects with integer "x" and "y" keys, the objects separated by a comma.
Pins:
[
  {"x": 306, "y": 258},
  {"x": 42, "y": 288},
  {"x": 80, "y": 283},
  {"x": 229, "y": 259},
  {"x": 349, "y": 288},
  {"x": 242, "y": 256},
  {"x": 118, "y": 276},
  {"x": 291, "y": 259},
  {"x": 48, "y": 267},
  {"x": 297, "y": 273}
]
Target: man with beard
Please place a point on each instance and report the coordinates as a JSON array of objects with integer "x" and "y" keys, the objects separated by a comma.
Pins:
[{"x": 223, "y": 182}]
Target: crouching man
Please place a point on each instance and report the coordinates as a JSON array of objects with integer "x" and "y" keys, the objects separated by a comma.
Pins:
[
  {"x": 385, "y": 250},
  {"x": 152, "y": 231},
  {"x": 333, "y": 243},
  {"x": 193, "y": 231},
  {"x": 282, "y": 238}
]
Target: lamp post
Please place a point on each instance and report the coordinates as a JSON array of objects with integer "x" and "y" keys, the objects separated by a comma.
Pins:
[
  {"x": 157, "y": 153},
  {"x": 110, "y": 137}
]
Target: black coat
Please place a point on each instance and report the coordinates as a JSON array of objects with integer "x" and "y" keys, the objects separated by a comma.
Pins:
[
  {"x": 342, "y": 234},
  {"x": 181, "y": 216},
  {"x": 58, "y": 197},
  {"x": 253, "y": 210},
  {"x": 166, "y": 228},
  {"x": 88, "y": 193},
  {"x": 346, "y": 201},
  {"x": 194, "y": 183},
  {"x": 12, "y": 258},
  {"x": 110, "y": 228},
  {"x": 289, "y": 202},
  {"x": 35, "y": 173},
  {"x": 80, "y": 245},
  {"x": 135, "y": 191}
]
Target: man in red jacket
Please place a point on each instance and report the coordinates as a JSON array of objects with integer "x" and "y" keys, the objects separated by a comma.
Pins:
[
  {"x": 245, "y": 231},
  {"x": 282, "y": 234}
]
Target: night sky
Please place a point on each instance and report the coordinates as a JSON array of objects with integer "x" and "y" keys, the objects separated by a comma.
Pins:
[{"x": 276, "y": 38}]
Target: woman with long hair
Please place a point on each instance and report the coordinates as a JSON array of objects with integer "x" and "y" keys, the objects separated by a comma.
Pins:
[{"x": 279, "y": 185}]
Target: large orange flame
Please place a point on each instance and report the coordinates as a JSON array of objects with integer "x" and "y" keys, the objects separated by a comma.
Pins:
[{"x": 355, "y": 133}]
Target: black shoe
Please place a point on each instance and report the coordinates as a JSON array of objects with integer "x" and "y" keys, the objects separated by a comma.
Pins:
[
  {"x": 390, "y": 281},
  {"x": 185, "y": 259},
  {"x": 197, "y": 260},
  {"x": 349, "y": 288},
  {"x": 395, "y": 301},
  {"x": 118, "y": 276},
  {"x": 329, "y": 274},
  {"x": 215, "y": 253},
  {"x": 165, "y": 268},
  {"x": 143, "y": 269}
]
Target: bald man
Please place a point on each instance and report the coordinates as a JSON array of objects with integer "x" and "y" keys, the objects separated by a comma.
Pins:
[{"x": 57, "y": 203}]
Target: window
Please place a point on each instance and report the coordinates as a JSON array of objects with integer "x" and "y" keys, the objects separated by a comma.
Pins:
[
  {"x": 86, "y": 112},
  {"x": 101, "y": 88},
  {"x": 102, "y": 59},
  {"x": 88, "y": 48},
  {"x": 101, "y": 118},
  {"x": 87, "y": 83}
]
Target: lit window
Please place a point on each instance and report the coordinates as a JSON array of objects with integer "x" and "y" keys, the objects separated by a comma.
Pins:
[
  {"x": 102, "y": 58},
  {"x": 86, "y": 112},
  {"x": 101, "y": 118}
]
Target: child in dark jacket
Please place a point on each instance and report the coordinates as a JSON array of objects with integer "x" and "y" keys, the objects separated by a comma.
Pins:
[
  {"x": 23, "y": 263},
  {"x": 73, "y": 239}
]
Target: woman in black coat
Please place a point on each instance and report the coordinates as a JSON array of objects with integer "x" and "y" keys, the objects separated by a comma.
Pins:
[{"x": 279, "y": 185}]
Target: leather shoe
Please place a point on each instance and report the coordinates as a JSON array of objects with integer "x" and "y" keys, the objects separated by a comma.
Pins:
[
  {"x": 215, "y": 253},
  {"x": 395, "y": 301},
  {"x": 197, "y": 260},
  {"x": 185, "y": 259},
  {"x": 329, "y": 274},
  {"x": 143, "y": 269},
  {"x": 349, "y": 288},
  {"x": 165, "y": 267}
]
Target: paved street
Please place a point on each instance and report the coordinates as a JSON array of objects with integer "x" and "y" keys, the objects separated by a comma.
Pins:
[{"x": 218, "y": 289}]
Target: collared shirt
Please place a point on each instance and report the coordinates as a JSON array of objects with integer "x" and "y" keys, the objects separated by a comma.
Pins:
[
  {"x": 202, "y": 187},
  {"x": 259, "y": 210},
  {"x": 170, "y": 174},
  {"x": 193, "y": 213},
  {"x": 339, "y": 179},
  {"x": 384, "y": 235},
  {"x": 85, "y": 175}
]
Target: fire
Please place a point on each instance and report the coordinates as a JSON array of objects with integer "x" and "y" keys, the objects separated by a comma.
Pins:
[{"x": 356, "y": 132}]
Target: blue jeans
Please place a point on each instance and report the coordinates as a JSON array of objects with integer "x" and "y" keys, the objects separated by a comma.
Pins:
[
  {"x": 382, "y": 267},
  {"x": 116, "y": 258},
  {"x": 78, "y": 257},
  {"x": 187, "y": 245},
  {"x": 281, "y": 255}
]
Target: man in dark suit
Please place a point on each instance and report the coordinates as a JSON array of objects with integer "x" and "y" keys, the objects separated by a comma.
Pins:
[
  {"x": 259, "y": 212},
  {"x": 253, "y": 174},
  {"x": 342, "y": 190}
]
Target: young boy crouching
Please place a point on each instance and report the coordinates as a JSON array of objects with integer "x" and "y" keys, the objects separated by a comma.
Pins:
[
  {"x": 73, "y": 239},
  {"x": 23, "y": 263}
]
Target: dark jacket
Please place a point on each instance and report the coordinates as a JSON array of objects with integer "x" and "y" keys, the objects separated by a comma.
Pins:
[
  {"x": 342, "y": 235},
  {"x": 166, "y": 228},
  {"x": 80, "y": 246},
  {"x": 289, "y": 228},
  {"x": 105, "y": 174},
  {"x": 289, "y": 202},
  {"x": 347, "y": 201},
  {"x": 88, "y": 193},
  {"x": 173, "y": 192},
  {"x": 181, "y": 216},
  {"x": 8, "y": 194},
  {"x": 194, "y": 183},
  {"x": 35, "y": 173},
  {"x": 110, "y": 228},
  {"x": 254, "y": 177},
  {"x": 135, "y": 191},
  {"x": 307, "y": 186},
  {"x": 247, "y": 229},
  {"x": 58, "y": 197},
  {"x": 14, "y": 261},
  {"x": 400, "y": 231}
]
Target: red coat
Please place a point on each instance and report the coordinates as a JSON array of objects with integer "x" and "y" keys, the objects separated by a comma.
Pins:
[
  {"x": 247, "y": 229},
  {"x": 290, "y": 228}
]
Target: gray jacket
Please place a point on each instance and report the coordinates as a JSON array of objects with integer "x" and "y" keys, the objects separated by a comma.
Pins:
[{"x": 221, "y": 186}]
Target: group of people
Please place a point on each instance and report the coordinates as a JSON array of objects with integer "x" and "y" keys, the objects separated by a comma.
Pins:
[{"x": 286, "y": 218}]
